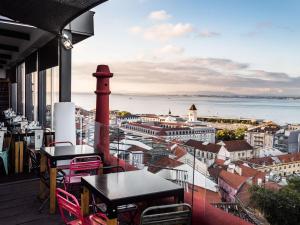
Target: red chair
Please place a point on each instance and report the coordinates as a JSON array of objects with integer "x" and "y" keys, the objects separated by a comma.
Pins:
[
  {"x": 60, "y": 172},
  {"x": 70, "y": 211},
  {"x": 81, "y": 166}
]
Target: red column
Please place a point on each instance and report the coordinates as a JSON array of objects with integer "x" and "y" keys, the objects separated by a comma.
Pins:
[{"x": 103, "y": 75}]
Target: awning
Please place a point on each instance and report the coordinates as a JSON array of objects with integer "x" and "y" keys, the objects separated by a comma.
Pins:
[{"x": 49, "y": 15}]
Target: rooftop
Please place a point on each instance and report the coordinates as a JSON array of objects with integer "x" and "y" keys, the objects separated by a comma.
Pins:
[
  {"x": 234, "y": 180},
  {"x": 237, "y": 145}
]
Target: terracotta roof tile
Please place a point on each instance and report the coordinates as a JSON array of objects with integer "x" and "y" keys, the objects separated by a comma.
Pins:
[
  {"x": 289, "y": 157},
  {"x": 237, "y": 145},
  {"x": 214, "y": 148},
  {"x": 164, "y": 162},
  {"x": 179, "y": 152},
  {"x": 232, "y": 179},
  {"x": 261, "y": 161}
]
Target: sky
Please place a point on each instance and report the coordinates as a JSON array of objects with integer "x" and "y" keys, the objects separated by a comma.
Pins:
[{"x": 193, "y": 47}]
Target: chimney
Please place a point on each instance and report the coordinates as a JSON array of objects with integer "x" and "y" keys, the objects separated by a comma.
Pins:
[
  {"x": 101, "y": 138},
  {"x": 238, "y": 170}
]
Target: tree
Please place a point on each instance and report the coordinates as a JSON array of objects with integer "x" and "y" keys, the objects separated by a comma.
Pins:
[
  {"x": 229, "y": 135},
  {"x": 279, "y": 207},
  {"x": 239, "y": 133},
  {"x": 123, "y": 113}
]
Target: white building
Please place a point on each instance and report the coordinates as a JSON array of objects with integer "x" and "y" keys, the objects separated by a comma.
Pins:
[
  {"x": 208, "y": 152},
  {"x": 262, "y": 136},
  {"x": 193, "y": 113},
  {"x": 175, "y": 131}
]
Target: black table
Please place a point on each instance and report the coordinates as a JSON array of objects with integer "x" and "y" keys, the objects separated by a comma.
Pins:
[
  {"x": 122, "y": 188},
  {"x": 57, "y": 153}
]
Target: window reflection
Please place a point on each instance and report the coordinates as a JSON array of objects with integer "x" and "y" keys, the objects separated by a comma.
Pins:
[{"x": 52, "y": 93}]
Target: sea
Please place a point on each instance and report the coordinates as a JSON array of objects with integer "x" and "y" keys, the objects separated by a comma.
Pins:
[{"x": 279, "y": 110}]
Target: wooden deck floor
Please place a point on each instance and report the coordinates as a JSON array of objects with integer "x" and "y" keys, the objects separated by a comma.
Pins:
[{"x": 19, "y": 205}]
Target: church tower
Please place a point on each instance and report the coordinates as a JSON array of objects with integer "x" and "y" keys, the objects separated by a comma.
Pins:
[{"x": 193, "y": 113}]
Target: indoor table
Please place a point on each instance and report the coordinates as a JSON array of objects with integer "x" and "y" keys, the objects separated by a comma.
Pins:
[
  {"x": 123, "y": 188},
  {"x": 57, "y": 153}
]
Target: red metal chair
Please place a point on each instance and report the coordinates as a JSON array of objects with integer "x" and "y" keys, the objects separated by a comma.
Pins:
[
  {"x": 81, "y": 166},
  {"x": 60, "y": 173},
  {"x": 70, "y": 211}
]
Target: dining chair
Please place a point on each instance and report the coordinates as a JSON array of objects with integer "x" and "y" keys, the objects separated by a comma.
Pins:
[
  {"x": 70, "y": 211},
  {"x": 175, "y": 214},
  {"x": 79, "y": 167},
  {"x": 60, "y": 173},
  {"x": 34, "y": 144},
  {"x": 5, "y": 147}
]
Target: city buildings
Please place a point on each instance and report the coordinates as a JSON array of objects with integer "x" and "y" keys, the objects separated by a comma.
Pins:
[
  {"x": 233, "y": 150},
  {"x": 167, "y": 131},
  {"x": 262, "y": 136},
  {"x": 287, "y": 140},
  {"x": 282, "y": 165}
]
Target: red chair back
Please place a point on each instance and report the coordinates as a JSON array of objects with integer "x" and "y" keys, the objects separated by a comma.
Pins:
[
  {"x": 85, "y": 164},
  {"x": 67, "y": 203},
  {"x": 82, "y": 166}
]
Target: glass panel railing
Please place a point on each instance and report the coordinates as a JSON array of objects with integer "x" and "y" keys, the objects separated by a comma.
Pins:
[{"x": 169, "y": 159}]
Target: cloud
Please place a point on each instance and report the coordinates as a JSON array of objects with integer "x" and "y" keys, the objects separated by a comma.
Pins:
[
  {"x": 163, "y": 32},
  {"x": 192, "y": 76},
  {"x": 159, "y": 15},
  {"x": 209, "y": 34},
  {"x": 171, "y": 49},
  {"x": 135, "y": 30}
]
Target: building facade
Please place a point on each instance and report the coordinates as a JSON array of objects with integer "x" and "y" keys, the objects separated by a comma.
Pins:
[
  {"x": 262, "y": 136},
  {"x": 181, "y": 132},
  {"x": 282, "y": 165}
]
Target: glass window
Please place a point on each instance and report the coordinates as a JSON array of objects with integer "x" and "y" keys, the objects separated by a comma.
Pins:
[
  {"x": 21, "y": 89},
  {"x": 34, "y": 89},
  {"x": 52, "y": 93}
]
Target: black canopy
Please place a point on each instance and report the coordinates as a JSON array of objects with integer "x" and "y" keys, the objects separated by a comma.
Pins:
[{"x": 49, "y": 15}]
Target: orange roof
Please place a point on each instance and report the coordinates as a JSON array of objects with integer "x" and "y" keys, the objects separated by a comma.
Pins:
[
  {"x": 289, "y": 157},
  {"x": 250, "y": 172},
  {"x": 164, "y": 162},
  {"x": 261, "y": 161},
  {"x": 237, "y": 145},
  {"x": 179, "y": 152},
  {"x": 232, "y": 179},
  {"x": 214, "y": 148}
]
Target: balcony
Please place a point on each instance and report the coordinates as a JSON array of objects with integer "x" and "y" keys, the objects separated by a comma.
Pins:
[{"x": 42, "y": 79}]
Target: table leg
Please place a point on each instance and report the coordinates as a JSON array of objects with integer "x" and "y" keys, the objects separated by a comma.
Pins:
[
  {"x": 21, "y": 145},
  {"x": 43, "y": 167},
  {"x": 112, "y": 221},
  {"x": 17, "y": 157},
  {"x": 112, "y": 215},
  {"x": 85, "y": 201},
  {"x": 53, "y": 173}
]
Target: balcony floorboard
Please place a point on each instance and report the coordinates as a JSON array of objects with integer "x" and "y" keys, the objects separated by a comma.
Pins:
[{"x": 19, "y": 205}]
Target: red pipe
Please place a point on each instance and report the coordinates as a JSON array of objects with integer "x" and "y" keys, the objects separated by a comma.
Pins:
[{"x": 102, "y": 92}]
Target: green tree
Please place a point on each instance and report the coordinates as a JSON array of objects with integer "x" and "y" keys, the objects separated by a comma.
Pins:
[
  {"x": 239, "y": 133},
  {"x": 229, "y": 135},
  {"x": 123, "y": 113},
  {"x": 279, "y": 207}
]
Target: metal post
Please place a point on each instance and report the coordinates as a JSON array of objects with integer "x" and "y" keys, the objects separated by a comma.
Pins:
[{"x": 65, "y": 67}]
